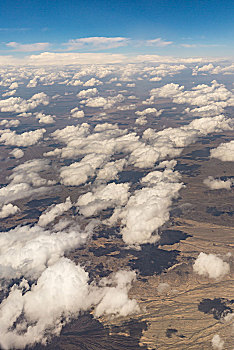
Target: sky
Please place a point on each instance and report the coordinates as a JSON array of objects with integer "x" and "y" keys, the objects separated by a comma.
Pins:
[{"x": 183, "y": 28}]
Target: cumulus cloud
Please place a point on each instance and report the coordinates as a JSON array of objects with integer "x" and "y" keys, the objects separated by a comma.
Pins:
[
  {"x": 76, "y": 113},
  {"x": 79, "y": 172},
  {"x": 19, "y": 105},
  {"x": 216, "y": 184},
  {"x": 9, "y": 93},
  {"x": 44, "y": 119},
  {"x": 27, "y": 138},
  {"x": 103, "y": 102},
  {"x": 110, "y": 196},
  {"x": 149, "y": 208},
  {"x": 87, "y": 93},
  {"x": 17, "y": 153},
  {"x": 8, "y": 210},
  {"x": 209, "y": 99},
  {"x": 110, "y": 170},
  {"x": 210, "y": 265},
  {"x": 10, "y": 123},
  {"x": 51, "y": 289},
  {"x": 92, "y": 82},
  {"x": 25, "y": 181},
  {"x": 224, "y": 152},
  {"x": 217, "y": 342},
  {"x": 152, "y": 111},
  {"x": 54, "y": 211}
]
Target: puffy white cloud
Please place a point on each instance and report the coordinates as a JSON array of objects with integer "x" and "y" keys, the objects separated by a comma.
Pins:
[
  {"x": 148, "y": 209},
  {"x": 45, "y": 119},
  {"x": 225, "y": 152},
  {"x": 216, "y": 184},
  {"x": 9, "y": 93},
  {"x": 17, "y": 153},
  {"x": 75, "y": 113},
  {"x": 110, "y": 170},
  {"x": 59, "y": 290},
  {"x": 141, "y": 120},
  {"x": 110, "y": 196},
  {"x": 61, "y": 293},
  {"x": 147, "y": 111},
  {"x": 25, "y": 139},
  {"x": 54, "y": 211},
  {"x": 87, "y": 93},
  {"x": 216, "y": 96},
  {"x": 106, "y": 103},
  {"x": 92, "y": 82},
  {"x": 8, "y": 210},
  {"x": 217, "y": 342},
  {"x": 79, "y": 172},
  {"x": 10, "y": 123},
  {"x": 23, "y": 180},
  {"x": 114, "y": 299},
  {"x": 19, "y": 105},
  {"x": 14, "y": 85},
  {"x": 210, "y": 265}
]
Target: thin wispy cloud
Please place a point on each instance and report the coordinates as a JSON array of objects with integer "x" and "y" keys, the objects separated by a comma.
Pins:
[
  {"x": 158, "y": 42},
  {"x": 96, "y": 43},
  {"x": 27, "y": 47}
]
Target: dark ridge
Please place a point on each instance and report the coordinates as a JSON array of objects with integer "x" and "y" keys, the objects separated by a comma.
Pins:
[
  {"x": 198, "y": 154},
  {"x": 207, "y": 139},
  {"x": 191, "y": 170},
  {"x": 215, "y": 212},
  {"x": 87, "y": 333},
  {"x": 107, "y": 249},
  {"x": 151, "y": 260},
  {"x": 35, "y": 203},
  {"x": 170, "y": 237},
  {"x": 32, "y": 214},
  {"x": 130, "y": 176},
  {"x": 170, "y": 332},
  {"x": 216, "y": 307}
]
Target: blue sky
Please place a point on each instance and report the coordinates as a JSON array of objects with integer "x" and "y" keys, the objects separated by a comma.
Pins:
[{"x": 164, "y": 27}]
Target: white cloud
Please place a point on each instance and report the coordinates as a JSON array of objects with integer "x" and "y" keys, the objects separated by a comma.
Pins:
[
  {"x": 17, "y": 153},
  {"x": 25, "y": 181},
  {"x": 79, "y": 172},
  {"x": 217, "y": 342},
  {"x": 110, "y": 196},
  {"x": 211, "y": 265},
  {"x": 75, "y": 113},
  {"x": 209, "y": 99},
  {"x": 216, "y": 184},
  {"x": 25, "y": 139},
  {"x": 148, "y": 209},
  {"x": 27, "y": 47},
  {"x": 54, "y": 211},
  {"x": 92, "y": 82},
  {"x": 10, "y": 123},
  {"x": 45, "y": 119},
  {"x": 87, "y": 93},
  {"x": 9, "y": 93},
  {"x": 224, "y": 152},
  {"x": 152, "y": 111},
  {"x": 19, "y": 105},
  {"x": 158, "y": 42},
  {"x": 96, "y": 43},
  {"x": 8, "y": 210}
]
